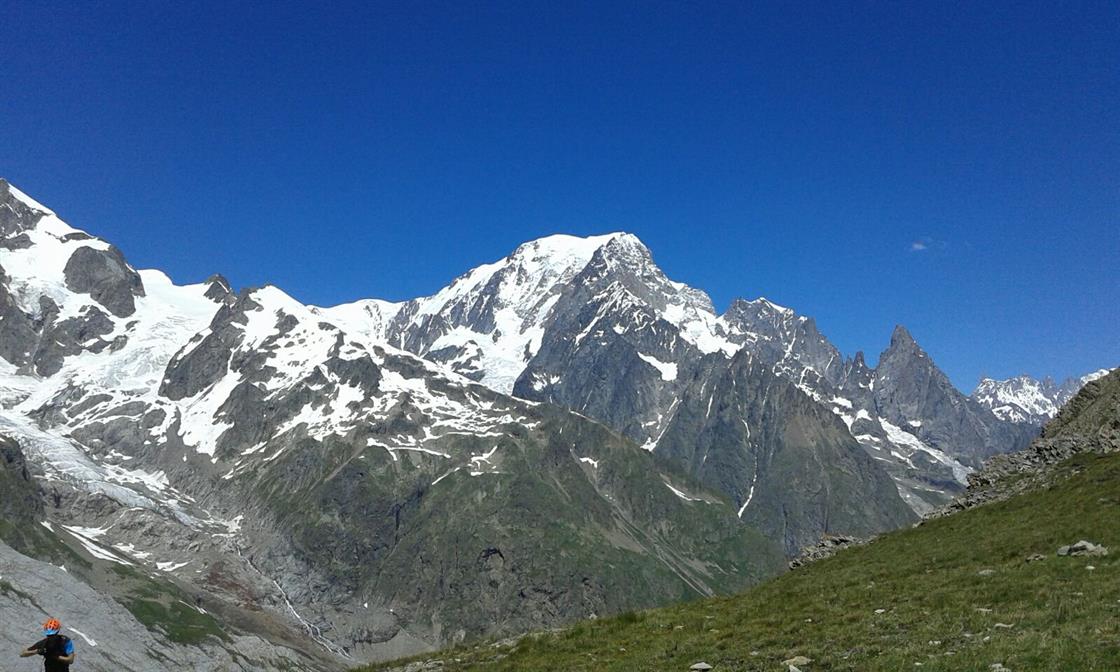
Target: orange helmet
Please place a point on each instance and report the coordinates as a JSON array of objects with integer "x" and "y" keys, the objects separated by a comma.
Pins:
[{"x": 51, "y": 626}]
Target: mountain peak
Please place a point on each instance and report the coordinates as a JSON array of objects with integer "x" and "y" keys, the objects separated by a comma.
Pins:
[
  {"x": 561, "y": 245},
  {"x": 901, "y": 338},
  {"x": 218, "y": 278},
  {"x": 7, "y": 189},
  {"x": 626, "y": 247},
  {"x": 771, "y": 306},
  {"x": 218, "y": 287}
]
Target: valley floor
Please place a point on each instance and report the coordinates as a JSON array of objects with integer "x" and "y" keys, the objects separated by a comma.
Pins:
[{"x": 952, "y": 594}]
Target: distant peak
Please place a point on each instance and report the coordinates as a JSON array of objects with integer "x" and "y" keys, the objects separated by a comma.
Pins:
[
  {"x": 218, "y": 288},
  {"x": 565, "y": 246},
  {"x": 624, "y": 248},
  {"x": 272, "y": 298},
  {"x": 901, "y": 337},
  {"x": 903, "y": 344},
  {"x": 767, "y": 304},
  {"x": 752, "y": 314},
  {"x": 623, "y": 240}
]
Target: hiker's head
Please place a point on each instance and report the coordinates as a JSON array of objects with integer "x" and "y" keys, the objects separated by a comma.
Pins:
[{"x": 51, "y": 626}]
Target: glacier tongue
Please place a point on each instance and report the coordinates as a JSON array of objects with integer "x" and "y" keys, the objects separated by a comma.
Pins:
[{"x": 65, "y": 460}]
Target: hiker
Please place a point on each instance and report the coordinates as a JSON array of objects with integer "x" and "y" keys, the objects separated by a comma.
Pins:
[{"x": 57, "y": 650}]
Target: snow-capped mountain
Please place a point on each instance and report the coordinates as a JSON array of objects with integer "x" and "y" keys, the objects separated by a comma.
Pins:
[
  {"x": 487, "y": 323},
  {"x": 594, "y": 325},
  {"x": 297, "y": 478},
  {"x": 563, "y": 432},
  {"x": 1024, "y": 399}
]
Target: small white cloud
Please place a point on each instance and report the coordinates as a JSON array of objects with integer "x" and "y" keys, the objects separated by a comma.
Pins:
[{"x": 918, "y": 246}]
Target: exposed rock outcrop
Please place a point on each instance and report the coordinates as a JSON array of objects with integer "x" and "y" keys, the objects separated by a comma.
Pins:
[
  {"x": 106, "y": 277},
  {"x": 828, "y": 546}
]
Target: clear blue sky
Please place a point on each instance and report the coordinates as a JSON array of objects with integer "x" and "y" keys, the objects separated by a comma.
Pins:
[{"x": 798, "y": 151}]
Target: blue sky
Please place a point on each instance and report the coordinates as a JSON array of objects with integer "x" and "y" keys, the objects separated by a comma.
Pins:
[{"x": 801, "y": 151}]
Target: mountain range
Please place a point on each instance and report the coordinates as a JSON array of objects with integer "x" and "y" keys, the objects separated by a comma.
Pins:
[
  {"x": 561, "y": 434},
  {"x": 1024, "y": 399}
]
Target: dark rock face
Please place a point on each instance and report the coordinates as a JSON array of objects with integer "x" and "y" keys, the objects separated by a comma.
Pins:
[
  {"x": 789, "y": 464},
  {"x": 36, "y": 334},
  {"x": 18, "y": 332},
  {"x": 219, "y": 289},
  {"x": 106, "y": 277},
  {"x": 15, "y": 215},
  {"x": 42, "y": 343},
  {"x": 61, "y": 339},
  {"x": 20, "y": 503},
  {"x": 207, "y": 357},
  {"x": 790, "y": 341},
  {"x": 606, "y": 343},
  {"x": 908, "y": 385}
]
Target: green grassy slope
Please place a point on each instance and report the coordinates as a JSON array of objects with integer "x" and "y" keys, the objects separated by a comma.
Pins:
[{"x": 939, "y": 614}]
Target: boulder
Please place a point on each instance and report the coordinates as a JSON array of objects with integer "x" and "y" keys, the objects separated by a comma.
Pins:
[{"x": 1083, "y": 548}]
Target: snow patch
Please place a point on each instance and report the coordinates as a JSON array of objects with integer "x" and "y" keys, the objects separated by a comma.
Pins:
[
  {"x": 901, "y": 437},
  {"x": 668, "y": 370},
  {"x": 682, "y": 495}
]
